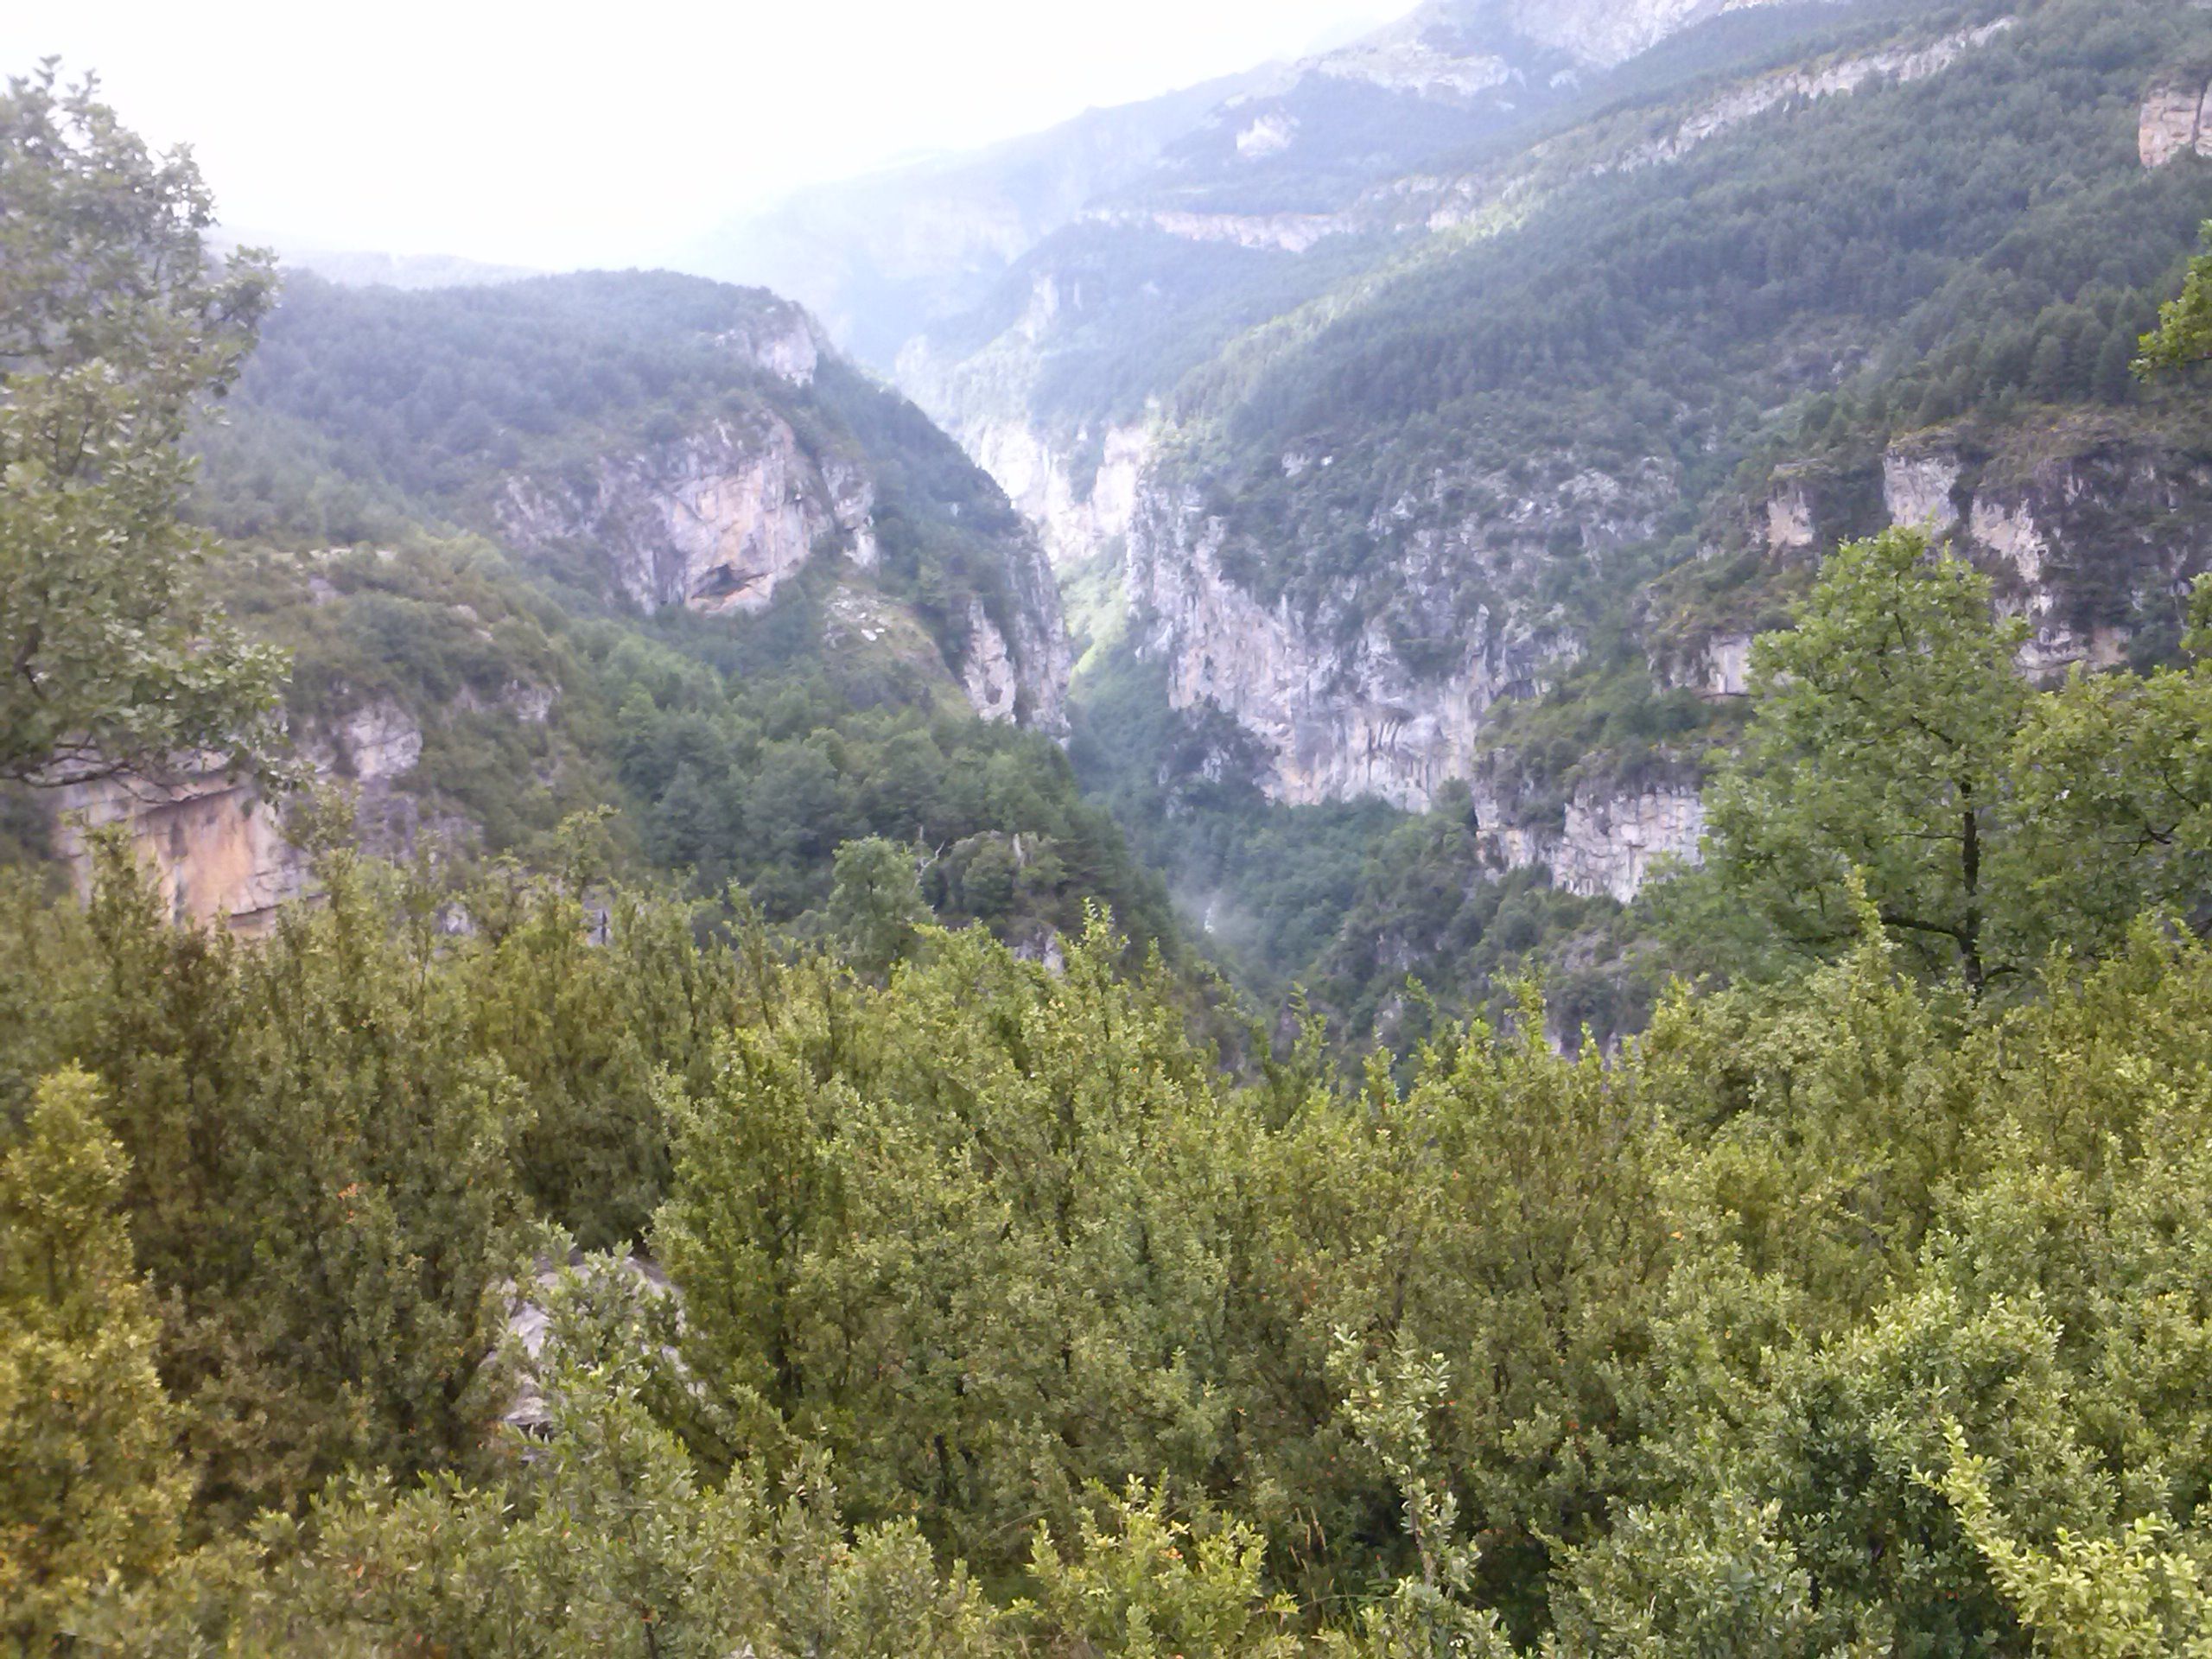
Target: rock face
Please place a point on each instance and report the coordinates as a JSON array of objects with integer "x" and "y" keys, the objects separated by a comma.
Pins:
[
  {"x": 1606, "y": 844},
  {"x": 216, "y": 849},
  {"x": 715, "y": 522},
  {"x": 2090, "y": 541},
  {"x": 1612, "y": 845},
  {"x": 636, "y": 1278},
  {"x": 1332, "y": 726},
  {"x": 780, "y": 340},
  {"x": 1336, "y": 706},
  {"x": 1919, "y": 491},
  {"x": 1495, "y": 195},
  {"x": 1039, "y": 480},
  {"x": 718, "y": 521},
  {"x": 2176, "y": 120},
  {"x": 1034, "y": 650}
]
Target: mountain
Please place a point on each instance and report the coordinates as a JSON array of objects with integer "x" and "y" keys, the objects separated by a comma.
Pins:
[
  {"x": 893, "y": 256},
  {"x": 634, "y": 539},
  {"x": 1431, "y": 429},
  {"x": 882, "y": 257}
]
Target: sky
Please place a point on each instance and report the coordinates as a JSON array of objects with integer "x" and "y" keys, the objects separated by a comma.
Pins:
[{"x": 555, "y": 135}]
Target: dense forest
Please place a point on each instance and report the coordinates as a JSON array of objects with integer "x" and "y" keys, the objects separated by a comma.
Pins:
[
  {"x": 1858, "y": 1308},
  {"x": 785, "y": 1192}
]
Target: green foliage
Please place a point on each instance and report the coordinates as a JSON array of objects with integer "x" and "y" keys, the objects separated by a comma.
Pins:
[
  {"x": 113, "y": 333},
  {"x": 2090, "y": 1597},
  {"x": 760, "y": 776},
  {"x": 876, "y": 907},
  {"x": 1837, "y": 1314},
  {"x": 1845, "y": 1311},
  {"x": 1388, "y": 923},
  {"x": 1132, "y": 1589},
  {"x": 1675, "y": 316},
  {"x": 90, "y": 1481},
  {"x": 1880, "y": 746},
  {"x": 2183, "y": 336},
  {"x": 321, "y": 1185},
  {"x": 2114, "y": 781}
]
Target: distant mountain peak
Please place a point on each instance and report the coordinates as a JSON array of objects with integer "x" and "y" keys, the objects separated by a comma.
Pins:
[{"x": 1473, "y": 34}]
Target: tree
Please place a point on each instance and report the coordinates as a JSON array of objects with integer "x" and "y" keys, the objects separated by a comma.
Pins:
[
  {"x": 91, "y": 1486},
  {"x": 877, "y": 903},
  {"x": 2114, "y": 773},
  {"x": 2184, "y": 337},
  {"x": 1880, "y": 743},
  {"x": 115, "y": 332}
]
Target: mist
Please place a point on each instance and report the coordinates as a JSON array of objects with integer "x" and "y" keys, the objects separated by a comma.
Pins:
[{"x": 583, "y": 137}]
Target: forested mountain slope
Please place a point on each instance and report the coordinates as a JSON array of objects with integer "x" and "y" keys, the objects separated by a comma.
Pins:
[
  {"x": 536, "y": 1257},
  {"x": 1469, "y": 496},
  {"x": 638, "y": 539}
]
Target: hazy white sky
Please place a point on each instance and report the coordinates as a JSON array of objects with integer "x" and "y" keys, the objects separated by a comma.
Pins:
[{"x": 557, "y": 134}]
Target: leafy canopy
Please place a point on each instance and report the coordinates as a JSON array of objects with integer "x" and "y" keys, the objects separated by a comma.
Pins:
[{"x": 114, "y": 332}]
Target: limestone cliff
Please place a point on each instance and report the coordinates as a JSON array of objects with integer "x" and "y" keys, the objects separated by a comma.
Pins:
[
  {"x": 780, "y": 338},
  {"x": 718, "y": 521},
  {"x": 1347, "y": 695},
  {"x": 1613, "y": 844},
  {"x": 215, "y": 847},
  {"x": 715, "y": 522},
  {"x": 2091, "y": 539},
  {"x": 2176, "y": 120}
]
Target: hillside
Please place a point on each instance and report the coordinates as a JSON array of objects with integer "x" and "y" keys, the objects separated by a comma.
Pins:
[
  {"x": 700, "y": 1139},
  {"x": 637, "y": 540},
  {"x": 1461, "y": 485}
]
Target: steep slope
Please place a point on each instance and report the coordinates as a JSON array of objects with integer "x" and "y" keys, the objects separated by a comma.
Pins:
[
  {"x": 1372, "y": 159},
  {"x": 1472, "y": 504},
  {"x": 660, "y": 441},
  {"x": 1262, "y": 160},
  {"x": 633, "y": 540},
  {"x": 883, "y": 257}
]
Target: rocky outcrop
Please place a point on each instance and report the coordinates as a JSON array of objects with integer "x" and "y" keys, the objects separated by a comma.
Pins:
[
  {"x": 1425, "y": 54},
  {"x": 633, "y": 1281},
  {"x": 779, "y": 340},
  {"x": 989, "y": 674},
  {"x": 1032, "y": 647},
  {"x": 718, "y": 521},
  {"x": 1495, "y": 198},
  {"x": 1260, "y": 233},
  {"x": 1039, "y": 479},
  {"x": 2091, "y": 537},
  {"x": 1613, "y": 845},
  {"x": 1838, "y": 78},
  {"x": 1920, "y": 490},
  {"x": 1327, "y": 689},
  {"x": 1267, "y": 136},
  {"x": 715, "y": 522},
  {"x": 375, "y": 744},
  {"x": 2176, "y": 121},
  {"x": 216, "y": 849},
  {"x": 1608, "y": 841},
  {"x": 1719, "y": 668}
]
